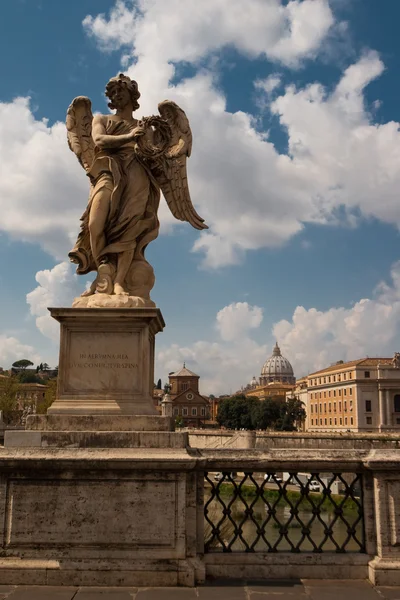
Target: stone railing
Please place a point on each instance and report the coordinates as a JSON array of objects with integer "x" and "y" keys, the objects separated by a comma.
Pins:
[{"x": 156, "y": 515}]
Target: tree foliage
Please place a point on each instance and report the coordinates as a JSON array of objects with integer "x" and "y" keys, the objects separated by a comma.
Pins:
[
  {"x": 49, "y": 397},
  {"x": 8, "y": 399},
  {"x": 29, "y": 377},
  {"x": 241, "y": 412},
  {"x": 22, "y": 364}
]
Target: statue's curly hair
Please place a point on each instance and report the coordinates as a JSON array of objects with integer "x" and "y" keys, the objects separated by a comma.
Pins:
[{"x": 129, "y": 83}]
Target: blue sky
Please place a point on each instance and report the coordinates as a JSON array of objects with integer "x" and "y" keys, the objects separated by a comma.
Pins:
[{"x": 295, "y": 166}]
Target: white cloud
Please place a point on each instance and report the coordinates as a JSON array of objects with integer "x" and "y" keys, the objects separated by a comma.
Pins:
[
  {"x": 57, "y": 287},
  {"x": 187, "y": 30},
  {"x": 311, "y": 339},
  {"x": 234, "y": 321},
  {"x": 249, "y": 194},
  {"x": 314, "y": 339},
  {"x": 224, "y": 365},
  {"x": 11, "y": 349},
  {"x": 43, "y": 190}
]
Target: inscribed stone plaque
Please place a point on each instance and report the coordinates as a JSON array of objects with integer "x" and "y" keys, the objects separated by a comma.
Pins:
[
  {"x": 103, "y": 361},
  {"x": 138, "y": 513}
]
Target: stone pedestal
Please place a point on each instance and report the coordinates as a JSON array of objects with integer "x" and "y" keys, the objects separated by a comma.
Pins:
[{"x": 106, "y": 364}]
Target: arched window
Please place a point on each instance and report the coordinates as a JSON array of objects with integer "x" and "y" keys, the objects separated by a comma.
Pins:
[{"x": 397, "y": 403}]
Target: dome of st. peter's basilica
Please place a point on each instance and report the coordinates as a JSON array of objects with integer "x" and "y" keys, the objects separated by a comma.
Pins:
[{"x": 277, "y": 368}]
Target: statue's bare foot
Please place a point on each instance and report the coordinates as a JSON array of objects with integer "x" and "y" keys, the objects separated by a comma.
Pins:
[
  {"x": 90, "y": 291},
  {"x": 119, "y": 290}
]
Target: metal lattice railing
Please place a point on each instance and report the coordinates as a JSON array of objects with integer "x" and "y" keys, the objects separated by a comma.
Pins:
[{"x": 257, "y": 512}]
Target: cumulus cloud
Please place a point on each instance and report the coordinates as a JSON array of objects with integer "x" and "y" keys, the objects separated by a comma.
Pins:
[
  {"x": 314, "y": 339},
  {"x": 186, "y": 30},
  {"x": 43, "y": 189},
  {"x": 224, "y": 365},
  {"x": 235, "y": 320},
  {"x": 252, "y": 196},
  {"x": 57, "y": 287},
  {"x": 11, "y": 349},
  {"x": 311, "y": 339}
]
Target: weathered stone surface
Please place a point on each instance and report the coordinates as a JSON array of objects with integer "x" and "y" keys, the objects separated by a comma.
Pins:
[
  {"x": 100, "y": 593},
  {"x": 96, "y": 439},
  {"x": 44, "y": 593},
  {"x": 98, "y": 423},
  {"x": 106, "y": 363}
]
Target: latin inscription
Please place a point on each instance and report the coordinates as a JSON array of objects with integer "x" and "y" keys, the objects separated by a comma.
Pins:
[{"x": 103, "y": 361}]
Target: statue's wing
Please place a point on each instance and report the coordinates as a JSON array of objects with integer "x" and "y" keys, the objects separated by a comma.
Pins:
[
  {"x": 172, "y": 174},
  {"x": 79, "y": 130}
]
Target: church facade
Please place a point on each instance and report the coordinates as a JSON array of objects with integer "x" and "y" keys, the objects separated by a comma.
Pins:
[{"x": 187, "y": 402}]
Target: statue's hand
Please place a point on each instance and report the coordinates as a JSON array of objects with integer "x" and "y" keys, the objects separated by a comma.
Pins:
[{"x": 136, "y": 133}]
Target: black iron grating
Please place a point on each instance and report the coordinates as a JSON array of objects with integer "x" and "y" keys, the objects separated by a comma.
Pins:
[{"x": 259, "y": 512}]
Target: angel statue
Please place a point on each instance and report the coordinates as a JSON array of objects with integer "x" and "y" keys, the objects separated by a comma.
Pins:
[{"x": 127, "y": 161}]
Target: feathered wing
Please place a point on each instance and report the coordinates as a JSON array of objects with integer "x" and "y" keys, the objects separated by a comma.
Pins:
[
  {"x": 171, "y": 173},
  {"x": 80, "y": 141},
  {"x": 79, "y": 130}
]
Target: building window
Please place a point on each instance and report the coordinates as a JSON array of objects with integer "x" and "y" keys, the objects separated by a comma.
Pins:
[
  {"x": 324, "y": 394},
  {"x": 367, "y": 374},
  {"x": 351, "y": 420},
  {"x": 184, "y": 411},
  {"x": 176, "y": 412},
  {"x": 334, "y": 393},
  {"x": 325, "y": 422},
  {"x": 351, "y": 405},
  {"x": 312, "y": 421},
  {"x": 320, "y": 421},
  {"x": 334, "y": 378},
  {"x": 340, "y": 421},
  {"x": 320, "y": 408},
  {"x": 368, "y": 406},
  {"x": 350, "y": 375},
  {"x": 203, "y": 411},
  {"x": 338, "y": 377},
  {"x": 334, "y": 407},
  {"x": 329, "y": 379},
  {"x": 324, "y": 379},
  {"x": 330, "y": 407},
  {"x": 345, "y": 420},
  {"x": 340, "y": 392},
  {"x": 369, "y": 420},
  {"x": 312, "y": 409},
  {"x": 324, "y": 407},
  {"x": 350, "y": 391},
  {"x": 344, "y": 376},
  {"x": 184, "y": 386},
  {"x": 194, "y": 411},
  {"x": 335, "y": 421},
  {"x": 330, "y": 421},
  {"x": 397, "y": 403}
]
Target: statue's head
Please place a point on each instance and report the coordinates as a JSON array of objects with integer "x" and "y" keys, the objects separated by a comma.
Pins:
[{"x": 118, "y": 86}]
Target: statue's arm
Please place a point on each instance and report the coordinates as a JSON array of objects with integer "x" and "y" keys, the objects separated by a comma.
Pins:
[{"x": 104, "y": 141}]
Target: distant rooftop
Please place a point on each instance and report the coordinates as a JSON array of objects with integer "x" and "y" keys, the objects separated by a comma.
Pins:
[
  {"x": 184, "y": 372},
  {"x": 364, "y": 362}
]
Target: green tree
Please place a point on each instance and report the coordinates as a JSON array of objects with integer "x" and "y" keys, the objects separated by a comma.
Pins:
[
  {"x": 45, "y": 367},
  {"x": 293, "y": 415},
  {"x": 29, "y": 377},
  {"x": 179, "y": 421},
  {"x": 49, "y": 397},
  {"x": 159, "y": 384},
  {"x": 8, "y": 399},
  {"x": 237, "y": 412},
  {"x": 22, "y": 364}
]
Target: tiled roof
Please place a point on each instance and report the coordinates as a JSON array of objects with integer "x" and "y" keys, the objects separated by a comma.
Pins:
[
  {"x": 184, "y": 372},
  {"x": 365, "y": 362}
]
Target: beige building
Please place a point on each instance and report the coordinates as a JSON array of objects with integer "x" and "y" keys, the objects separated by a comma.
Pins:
[
  {"x": 360, "y": 395},
  {"x": 187, "y": 402}
]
